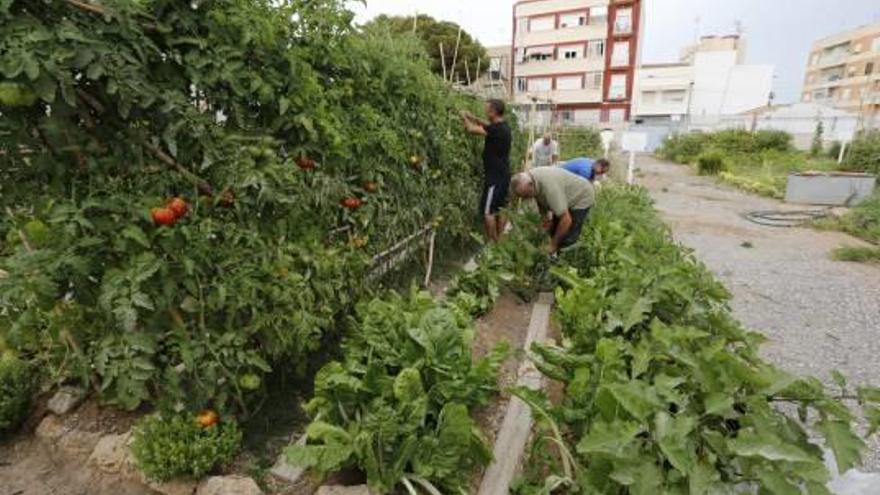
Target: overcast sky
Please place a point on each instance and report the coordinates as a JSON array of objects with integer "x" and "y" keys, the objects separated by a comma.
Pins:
[{"x": 779, "y": 32}]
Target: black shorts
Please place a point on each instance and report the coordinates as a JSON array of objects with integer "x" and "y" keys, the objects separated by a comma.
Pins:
[
  {"x": 578, "y": 217},
  {"x": 494, "y": 197}
]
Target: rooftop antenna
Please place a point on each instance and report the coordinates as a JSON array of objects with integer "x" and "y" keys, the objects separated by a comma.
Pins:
[{"x": 738, "y": 27}]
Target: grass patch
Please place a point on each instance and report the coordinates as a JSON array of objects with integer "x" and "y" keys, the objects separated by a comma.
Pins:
[
  {"x": 766, "y": 173},
  {"x": 857, "y": 254},
  {"x": 863, "y": 221}
]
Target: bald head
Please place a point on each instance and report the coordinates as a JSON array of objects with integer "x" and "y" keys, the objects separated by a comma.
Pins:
[
  {"x": 523, "y": 185},
  {"x": 548, "y": 138}
]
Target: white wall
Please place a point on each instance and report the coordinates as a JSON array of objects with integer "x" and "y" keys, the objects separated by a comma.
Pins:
[{"x": 720, "y": 86}]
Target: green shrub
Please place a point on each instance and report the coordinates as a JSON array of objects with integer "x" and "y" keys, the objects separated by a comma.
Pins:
[
  {"x": 857, "y": 254},
  {"x": 772, "y": 140},
  {"x": 686, "y": 148},
  {"x": 17, "y": 386},
  {"x": 176, "y": 446},
  {"x": 710, "y": 163},
  {"x": 682, "y": 148},
  {"x": 818, "y": 145},
  {"x": 863, "y": 221},
  {"x": 834, "y": 150},
  {"x": 864, "y": 153},
  {"x": 576, "y": 143}
]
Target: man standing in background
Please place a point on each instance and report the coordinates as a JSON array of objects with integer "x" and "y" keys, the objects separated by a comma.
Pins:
[
  {"x": 496, "y": 164},
  {"x": 545, "y": 151}
]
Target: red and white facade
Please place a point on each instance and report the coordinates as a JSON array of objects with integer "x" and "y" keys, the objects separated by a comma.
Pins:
[{"x": 577, "y": 57}]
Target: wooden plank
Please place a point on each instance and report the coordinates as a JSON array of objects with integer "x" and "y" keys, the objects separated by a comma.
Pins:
[{"x": 517, "y": 424}]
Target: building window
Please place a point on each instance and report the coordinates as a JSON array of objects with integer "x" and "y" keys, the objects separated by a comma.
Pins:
[
  {"x": 567, "y": 116},
  {"x": 587, "y": 116},
  {"x": 847, "y": 93},
  {"x": 572, "y": 20},
  {"x": 521, "y": 84},
  {"x": 523, "y": 26},
  {"x": 596, "y": 49},
  {"x": 571, "y": 52},
  {"x": 623, "y": 21},
  {"x": 617, "y": 115},
  {"x": 620, "y": 55},
  {"x": 569, "y": 82},
  {"x": 617, "y": 91},
  {"x": 593, "y": 80},
  {"x": 869, "y": 68},
  {"x": 542, "y": 84},
  {"x": 675, "y": 96},
  {"x": 539, "y": 54},
  {"x": 598, "y": 15},
  {"x": 547, "y": 23}
]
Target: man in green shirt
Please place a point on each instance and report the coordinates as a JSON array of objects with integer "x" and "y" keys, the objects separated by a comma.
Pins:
[{"x": 566, "y": 196}]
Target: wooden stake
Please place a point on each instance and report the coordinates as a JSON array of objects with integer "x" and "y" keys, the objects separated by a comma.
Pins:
[
  {"x": 443, "y": 61},
  {"x": 477, "y": 75},
  {"x": 467, "y": 72},
  {"x": 430, "y": 258},
  {"x": 455, "y": 54}
]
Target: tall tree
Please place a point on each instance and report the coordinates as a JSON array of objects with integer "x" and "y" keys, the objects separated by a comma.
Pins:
[{"x": 433, "y": 33}]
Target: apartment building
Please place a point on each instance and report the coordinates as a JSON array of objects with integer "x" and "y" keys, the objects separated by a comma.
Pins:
[
  {"x": 710, "y": 80},
  {"x": 574, "y": 60},
  {"x": 843, "y": 71}
]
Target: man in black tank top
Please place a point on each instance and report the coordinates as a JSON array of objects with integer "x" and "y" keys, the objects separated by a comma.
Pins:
[{"x": 496, "y": 164}]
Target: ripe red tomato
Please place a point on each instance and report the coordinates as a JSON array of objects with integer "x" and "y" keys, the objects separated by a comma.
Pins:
[
  {"x": 352, "y": 203},
  {"x": 371, "y": 187},
  {"x": 305, "y": 163},
  {"x": 178, "y": 206},
  {"x": 163, "y": 216},
  {"x": 208, "y": 418}
]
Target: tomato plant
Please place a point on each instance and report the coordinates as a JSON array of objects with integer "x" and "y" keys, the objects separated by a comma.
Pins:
[{"x": 111, "y": 107}]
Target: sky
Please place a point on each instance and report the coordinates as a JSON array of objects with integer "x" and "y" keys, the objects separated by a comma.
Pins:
[{"x": 778, "y": 32}]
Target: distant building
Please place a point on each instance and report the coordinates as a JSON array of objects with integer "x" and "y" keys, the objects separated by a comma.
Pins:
[
  {"x": 844, "y": 71},
  {"x": 574, "y": 60},
  {"x": 710, "y": 80},
  {"x": 800, "y": 120}
]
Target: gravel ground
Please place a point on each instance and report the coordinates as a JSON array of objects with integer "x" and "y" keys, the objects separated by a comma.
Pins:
[{"x": 819, "y": 314}]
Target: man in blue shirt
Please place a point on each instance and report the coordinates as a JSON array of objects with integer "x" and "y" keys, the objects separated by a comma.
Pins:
[{"x": 587, "y": 168}]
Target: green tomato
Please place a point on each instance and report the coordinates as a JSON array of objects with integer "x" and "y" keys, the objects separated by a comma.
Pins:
[
  {"x": 250, "y": 381},
  {"x": 37, "y": 233},
  {"x": 14, "y": 95}
]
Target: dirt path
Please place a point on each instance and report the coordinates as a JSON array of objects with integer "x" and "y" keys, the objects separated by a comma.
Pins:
[{"x": 819, "y": 314}]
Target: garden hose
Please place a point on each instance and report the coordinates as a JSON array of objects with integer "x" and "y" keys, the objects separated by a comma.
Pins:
[{"x": 785, "y": 218}]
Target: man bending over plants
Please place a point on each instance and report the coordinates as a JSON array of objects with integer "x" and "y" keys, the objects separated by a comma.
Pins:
[
  {"x": 496, "y": 164},
  {"x": 564, "y": 199},
  {"x": 587, "y": 168}
]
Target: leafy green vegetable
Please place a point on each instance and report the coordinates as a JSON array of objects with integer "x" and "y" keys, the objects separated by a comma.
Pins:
[
  {"x": 664, "y": 391},
  {"x": 398, "y": 406},
  {"x": 167, "y": 447}
]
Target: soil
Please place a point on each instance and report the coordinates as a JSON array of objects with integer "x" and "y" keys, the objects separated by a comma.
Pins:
[
  {"x": 32, "y": 466},
  {"x": 507, "y": 322}
]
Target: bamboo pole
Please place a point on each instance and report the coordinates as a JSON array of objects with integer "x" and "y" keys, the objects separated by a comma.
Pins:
[
  {"x": 455, "y": 54},
  {"x": 443, "y": 61}
]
